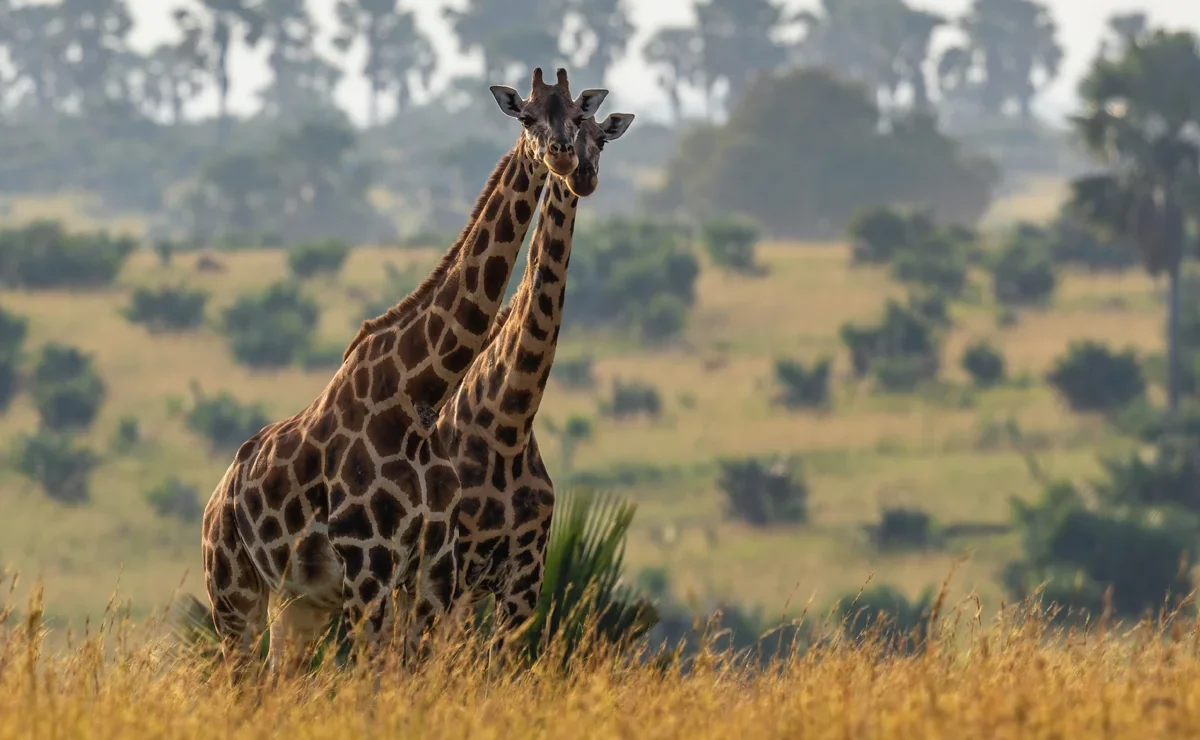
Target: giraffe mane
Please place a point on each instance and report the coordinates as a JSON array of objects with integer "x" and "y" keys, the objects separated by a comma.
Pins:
[{"x": 435, "y": 278}]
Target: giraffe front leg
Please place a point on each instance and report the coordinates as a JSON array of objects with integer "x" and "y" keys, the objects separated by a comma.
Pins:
[{"x": 236, "y": 592}]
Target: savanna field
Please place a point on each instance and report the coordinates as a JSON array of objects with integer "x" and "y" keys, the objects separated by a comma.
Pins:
[{"x": 989, "y": 669}]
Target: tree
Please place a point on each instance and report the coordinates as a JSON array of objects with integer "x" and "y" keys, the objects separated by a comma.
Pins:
[
  {"x": 32, "y": 37},
  {"x": 398, "y": 53},
  {"x": 220, "y": 20},
  {"x": 302, "y": 81},
  {"x": 510, "y": 34},
  {"x": 1141, "y": 108},
  {"x": 803, "y": 152},
  {"x": 883, "y": 43},
  {"x": 170, "y": 76},
  {"x": 676, "y": 54},
  {"x": 1011, "y": 52},
  {"x": 604, "y": 28},
  {"x": 737, "y": 43}
]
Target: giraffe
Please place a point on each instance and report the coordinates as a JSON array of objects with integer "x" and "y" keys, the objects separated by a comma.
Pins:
[
  {"x": 350, "y": 506},
  {"x": 507, "y": 495}
]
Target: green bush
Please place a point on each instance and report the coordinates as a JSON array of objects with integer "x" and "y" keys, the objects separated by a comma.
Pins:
[
  {"x": 626, "y": 273},
  {"x": 664, "y": 318},
  {"x": 174, "y": 498},
  {"x": 885, "y": 614},
  {"x": 322, "y": 356},
  {"x": 764, "y": 492},
  {"x": 224, "y": 421},
  {"x": 13, "y": 329},
  {"x": 731, "y": 242},
  {"x": 802, "y": 387},
  {"x": 878, "y": 234},
  {"x": 62, "y": 469},
  {"x": 938, "y": 263},
  {"x": 326, "y": 256},
  {"x": 43, "y": 255},
  {"x": 167, "y": 309},
  {"x": 631, "y": 398},
  {"x": 907, "y": 333},
  {"x": 983, "y": 363},
  {"x": 584, "y": 601},
  {"x": 1143, "y": 554},
  {"x": 1091, "y": 377},
  {"x": 574, "y": 372},
  {"x": 1171, "y": 477},
  {"x": 128, "y": 434},
  {"x": 66, "y": 389},
  {"x": 1022, "y": 273},
  {"x": 1075, "y": 244},
  {"x": 904, "y": 528},
  {"x": 904, "y": 373},
  {"x": 272, "y": 328}
]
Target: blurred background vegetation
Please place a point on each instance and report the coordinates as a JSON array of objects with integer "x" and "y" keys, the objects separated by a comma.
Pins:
[{"x": 847, "y": 307}]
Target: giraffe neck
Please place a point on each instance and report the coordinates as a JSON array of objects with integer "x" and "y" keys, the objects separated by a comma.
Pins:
[
  {"x": 517, "y": 363},
  {"x": 434, "y": 334}
]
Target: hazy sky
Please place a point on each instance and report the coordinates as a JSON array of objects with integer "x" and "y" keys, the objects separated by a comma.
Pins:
[{"x": 1081, "y": 24}]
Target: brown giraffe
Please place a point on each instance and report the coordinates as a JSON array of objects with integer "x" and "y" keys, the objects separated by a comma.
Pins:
[
  {"x": 507, "y": 495},
  {"x": 351, "y": 505}
]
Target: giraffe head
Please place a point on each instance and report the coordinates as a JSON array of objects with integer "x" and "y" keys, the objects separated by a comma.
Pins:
[
  {"x": 588, "y": 144},
  {"x": 550, "y": 118}
]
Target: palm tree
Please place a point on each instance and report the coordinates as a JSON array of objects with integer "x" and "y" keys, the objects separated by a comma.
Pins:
[
  {"x": 676, "y": 54},
  {"x": 737, "y": 41},
  {"x": 605, "y": 28},
  {"x": 219, "y": 21},
  {"x": 512, "y": 35},
  {"x": 1013, "y": 45},
  {"x": 399, "y": 54},
  {"x": 303, "y": 81},
  {"x": 1142, "y": 120}
]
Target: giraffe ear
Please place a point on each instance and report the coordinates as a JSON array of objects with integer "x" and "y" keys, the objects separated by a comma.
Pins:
[
  {"x": 616, "y": 125},
  {"x": 589, "y": 101},
  {"x": 509, "y": 100}
]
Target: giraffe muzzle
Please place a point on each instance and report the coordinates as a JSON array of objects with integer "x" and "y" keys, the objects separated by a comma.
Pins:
[{"x": 561, "y": 163}]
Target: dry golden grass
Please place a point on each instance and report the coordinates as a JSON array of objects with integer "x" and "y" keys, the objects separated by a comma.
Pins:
[
  {"x": 869, "y": 451},
  {"x": 1008, "y": 677}
]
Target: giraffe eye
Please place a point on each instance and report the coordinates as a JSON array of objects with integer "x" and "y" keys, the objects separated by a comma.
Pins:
[
  {"x": 600, "y": 144},
  {"x": 527, "y": 121}
]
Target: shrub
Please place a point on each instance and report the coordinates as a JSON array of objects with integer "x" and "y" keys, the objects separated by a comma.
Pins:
[
  {"x": 905, "y": 331},
  {"x": 1022, "y": 274},
  {"x": 322, "y": 357},
  {"x": 938, "y": 263},
  {"x": 618, "y": 270},
  {"x": 664, "y": 318},
  {"x": 879, "y": 234},
  {"x": 54, "y": 462},
  {"x": 272, "y": 328},
  {"x": 630, "y": 398},
  {"x": 128, "y": 434},
  {"x": 320, "y": 257},
  {"x": 1142, "y": 554},
  {"x": 730, "y": 243},
  {"x": 1170, "y": 477},
  {"x": 13, "y": 329},
  {"x": 223, "y": 421},
  {"x": 1072, "y": 243},
  {"x": 574, "y": 372},
  {"x": 902, "y": 528},
  {"x": 886, "y": 614},
  {"x": 584, "y": 600},
  {"x": 983, "y": 363},
  {"x": 167, "y": 309},
  {"x": 43, "y": 255},
  {"x": 761, "y": 492},
  {"x": 174, "y": 498},
  {"x": 1090, "y": 377},
  {"x": 801, "y": 387},
  {"x": 67, "y": 391},
  {"x": 904, "y": 373}
]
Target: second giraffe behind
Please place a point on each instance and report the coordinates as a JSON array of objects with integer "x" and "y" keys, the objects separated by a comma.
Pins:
[{"x": 507, "y": 495}]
